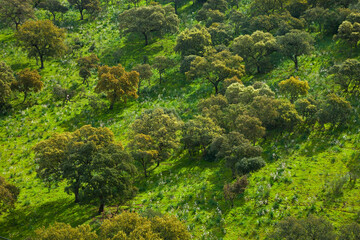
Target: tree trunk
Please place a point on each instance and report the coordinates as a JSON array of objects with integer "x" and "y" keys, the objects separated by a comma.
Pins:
[
  {"x": 111, "y": 105},
  {"x": 296, "y": 63},
  {"x": 145, "y": 172},
  {"x": 76, "y": 192},
  {"x": 81, "y": 14},
  {"x": 42, "y": 61},
  {"x": 25, "y": 95},
  {"x": 101, "y": 207},
  {"x": 146, "y": 39},
  {"x": 160, "y": 76},
  {"x": 176, "y": 6},
  {"x": 54, "y": 16},
  {"x": 139, "y": 87},
  {"x": 216, "y": 84}
]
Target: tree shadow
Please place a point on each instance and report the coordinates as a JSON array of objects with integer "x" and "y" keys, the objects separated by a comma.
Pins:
[{"x": 22, "y": 222}]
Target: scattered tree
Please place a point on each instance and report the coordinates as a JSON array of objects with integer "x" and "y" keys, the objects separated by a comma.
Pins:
[
  {"x": 86, "y": 65},
  {"x": 53, "y": 6},
  {"x": 117, "y": 83},
  {"x": 163, "y": 126},
  {"x": 349, "y": 32},
  {"x": 161, "y": 63},
  {"x": 41, "y": 39},
  {"x": 27, "y": 81},
  {"x": 334, "y": 110},
  {"x": 142, "y": 148},
  {"x": 144, "y": 71},
  {"x": 295, "y": 44},
  {"x": 232, "y": 191},
  {"x": 193, "y": 41},
  {"x": 255, "y": 48},
  {"x": 216, "y": 67},
  {"x": 16, "y": 12},
  {"x": 6, "y": 78},
  {"x": 311, "y": 227},
  {"x": 148, "y": 19},
  {"x": 8, "y": 195},
  {"x": 91, "y": 6},
  {"x": 112, "y": 170},
  {"x": 347, "y": 75},
  {"x": 293, "y": 87}
]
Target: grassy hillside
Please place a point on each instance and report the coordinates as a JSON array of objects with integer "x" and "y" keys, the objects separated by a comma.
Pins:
[{"x": 305, "y": 172}]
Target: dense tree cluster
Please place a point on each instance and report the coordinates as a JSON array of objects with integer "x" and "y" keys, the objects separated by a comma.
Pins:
[
  {"x": 313, "y": 227},
  {"x": 124, "y": 226},
  {"x": 219, "y": 44}
]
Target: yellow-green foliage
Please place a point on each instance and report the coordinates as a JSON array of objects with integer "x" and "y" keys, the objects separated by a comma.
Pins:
[
  {"x": 8, "y": 195},
  {"x": 117, "y": 83},
  {"x": 294, "y": 87},
  {"x": 41, "y": 39},
  {"x": 62, "y": 231},
  {"x": 131, "y": 226},
  {"x": 27, "y": 81}
]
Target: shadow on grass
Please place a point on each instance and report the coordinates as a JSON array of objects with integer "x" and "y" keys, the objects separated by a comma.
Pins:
[{"x": 22, "y": 222}]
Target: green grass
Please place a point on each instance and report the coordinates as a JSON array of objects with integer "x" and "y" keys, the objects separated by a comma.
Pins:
[{"x": 294, "y": 184}]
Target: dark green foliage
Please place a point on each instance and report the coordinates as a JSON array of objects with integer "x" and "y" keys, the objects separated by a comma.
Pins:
[
  {"x": 148, "y": 19},
  {"x": 193, "y": 41},
  {"x": 63, "y": 94},
  {"x": 255, "y": 49},
  {"x": 6, "y": 78},
  {"x": 233, "y": 148},
  {"x": 221, "y": 34},
  {"x": 86, "y": 65},
  {"x": 350, "y": 232},
  {"x": 186, "y": 63},
  {"x": 16, "y": 12},
  {"x": 162, "y": 63},
  {"x": 295, "y": 44},
  {"x": 232, "y": 191},
  {"x": 311, "y": 227},
  {"x": 198, "y": 133},
  {"x": 334, "y": 110},
  {"x": 145, "y": 73},
  {"x": 212, "y": 11},
  {"x": 276, "y": 23},
  {"x": 8, "y": 195},
  {"x": 307, "y": 108},
  {"x": 53, "y": 6},
  {"x": 111, "y": 176},
  {"x": 349, "y": 32},
  {"x": 91, "y": 6},
  {"x": 248, "y": 165},
  {"x": 163, "y": 126},
  {"x": 215, "y": 67},
  {"x": 347, "y": 75},
  {"x": 93, "y": 165}
]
